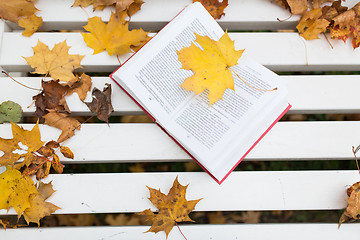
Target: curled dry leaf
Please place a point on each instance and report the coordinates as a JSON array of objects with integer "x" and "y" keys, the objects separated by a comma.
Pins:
[
  {"x": 31, "y": 24},
  {"x": 62, "y": 121},
  {"x": 81, "y": 86},
  {"x": 52, "y": 96},
  {"x": 114, "y": 37},
  {"x": 101, "y": 103},
  {"x": 211, "y": 65},
  {"x": 57, "y": 62},
  {"x": 214, "y": 7},
  {"x": 352, "y": 211},
  {"x": 173, "y": 208}
]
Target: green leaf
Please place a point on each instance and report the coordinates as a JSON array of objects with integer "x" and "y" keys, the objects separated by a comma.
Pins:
[{"x": 10, "y": 111}]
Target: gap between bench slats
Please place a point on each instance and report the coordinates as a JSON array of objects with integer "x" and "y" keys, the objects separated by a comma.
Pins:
[
  {"x": 147, "y": 142},
  {"x": 199, "y": 231},
  {"x": 241, "y": 191},
  {"x": 278, "y": 51},
  {"x": 307, "y": 94}
]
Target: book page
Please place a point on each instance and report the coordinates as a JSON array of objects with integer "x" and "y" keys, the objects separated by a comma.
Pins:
[
  {"x": 214, "y": 133},
  {"x": 154, "y": 73}
]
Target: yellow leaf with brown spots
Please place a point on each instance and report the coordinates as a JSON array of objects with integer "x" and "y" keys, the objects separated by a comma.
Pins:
[
  {"x": 211, "y": 65},
  {"x": 31, "y": 24},
  {"x": 311, "y": 24},
  {"x": 173, "y": 208},
  {"x": 215, "y": 7},
  {"x": 15, "y": 190},
  {"x": 352, "y": 211},
  {"x": 57, "y": 62}
]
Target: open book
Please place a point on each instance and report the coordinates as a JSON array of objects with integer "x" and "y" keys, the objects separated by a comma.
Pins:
[{"x": 216, "y": 137}]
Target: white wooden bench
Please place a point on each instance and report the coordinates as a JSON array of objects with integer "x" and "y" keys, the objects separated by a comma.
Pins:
[{"x": 313, "y": 93}]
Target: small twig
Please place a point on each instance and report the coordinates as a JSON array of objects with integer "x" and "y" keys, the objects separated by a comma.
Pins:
[
  {"x": 357, "y": 164},
  {"x": 283, "y": 20},
  {"x": 328, "y": 41},
  {"x": 180, "y": 230},
  {"x": 259, "y": 89},
  {"x": 19, "y": 82},
  {"x": 117, "y": 56}
]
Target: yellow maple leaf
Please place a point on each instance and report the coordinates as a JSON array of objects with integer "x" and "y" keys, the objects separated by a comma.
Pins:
[
  {"x": 173, "y": 208},
  {"x": 15, "y": 190},
  {"x": 58, "y": 63},
  {"x": 114, "y": 37},
  {"x": 311, "y": 24},
  {"x": 12, "y": 10},
  {"x": 211, "y": 65},
  {"x": 31, "y": 139},
  {"x": 31, "y": 24}
]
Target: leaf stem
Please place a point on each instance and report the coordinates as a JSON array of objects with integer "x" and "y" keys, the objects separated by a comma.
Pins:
[
  {"x": 247, "y": 84},
  {"x": 357, "y": 164},
  {"x": 19, "y": 82},
  {"x": 180, "y": 230}
]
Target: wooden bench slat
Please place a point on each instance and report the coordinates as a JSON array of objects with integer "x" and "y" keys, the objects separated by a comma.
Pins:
[
  {"x": 323, "y": 94},
  {"x": 280, "y": 52},
  {"x": 147, "y": 142},
  {"x": 248, "y": 190},
  {"x": 298, "y": 231}
]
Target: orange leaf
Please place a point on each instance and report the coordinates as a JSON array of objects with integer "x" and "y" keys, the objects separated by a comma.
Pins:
[
  {"x": 12, "y": 10},
  {"x": 31, "y": 24}
]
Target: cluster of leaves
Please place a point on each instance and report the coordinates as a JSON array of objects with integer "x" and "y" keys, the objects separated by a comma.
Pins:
[
  {"x": 341, "y": 22},
  {"x": 21, "y": 12}
]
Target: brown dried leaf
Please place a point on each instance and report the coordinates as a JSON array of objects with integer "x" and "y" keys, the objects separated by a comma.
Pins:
[
  {"x": 298, "y": 6},
  {"x": 128, "y": 6},
  {"x": 352, "y": 211},
  {"x": 43, "y": 170},
  {"x": 81, "y": 87},
  {"x": 172, "y": 208},
  {"x": 66, "y": 124},
  {"x": 52, "y": 144},
  {"x": 101, "y": 103},
  {"x": 214, "y": 7},
  {"x": 46, "y": 151}
]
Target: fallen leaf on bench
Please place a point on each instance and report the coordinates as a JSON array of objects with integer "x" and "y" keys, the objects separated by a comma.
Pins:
[
  {"x": 81, "y": 86},
  {"x": 128, "y": 6},
  {"x": 114, "y": 37},
  {"x": 12, "y": 10},
  {"x": 57, "y": 62},
  {"x": 211, "y": 65},
  {"x": 62, "y": 121},
  {"x": 214, "y": 7},
  {"x": 39, "y": 207},
  {"x": 52, "y": 96},
  {"x": 31, "y": 139},
  {"x": 352, "y": 211},
  {"x": 31, "y": 24},
  {"x": 347, "y": 25},
  {"x": 10, "y": 112},
  {"x": 311, "y": 24},
  {"x": 173, "y": 208},
  {"x": 101, "y": 103}
]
